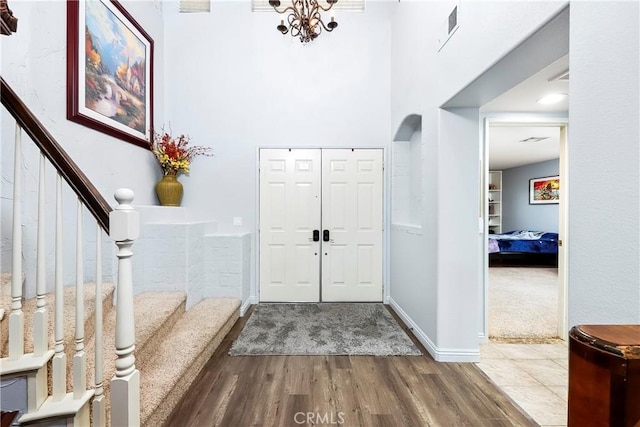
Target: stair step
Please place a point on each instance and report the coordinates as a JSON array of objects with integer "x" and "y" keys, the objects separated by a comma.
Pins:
[
  {"x": 155, "y": 314},
  {"x": 29, "y": 306},
  {"x": 172, "y": 346},
  {"x": 180, "y": 357},
  {"x": 52, "y": 409}
]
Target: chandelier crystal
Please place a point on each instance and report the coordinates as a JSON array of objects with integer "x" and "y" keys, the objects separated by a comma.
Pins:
[{"x": 304, "y": 18}]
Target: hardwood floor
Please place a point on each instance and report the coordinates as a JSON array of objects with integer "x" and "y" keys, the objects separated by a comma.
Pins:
[{"x": 341, "y": 390}]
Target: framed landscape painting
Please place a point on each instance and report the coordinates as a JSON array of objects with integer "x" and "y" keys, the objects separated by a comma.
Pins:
[
  {"x": 544, "y": 190},
  {"x": 109, "y": 71}
]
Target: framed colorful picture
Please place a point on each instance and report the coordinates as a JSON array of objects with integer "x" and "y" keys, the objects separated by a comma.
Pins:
[
  {"x": 109, "y": 71},
  {"x": 544, "y": 190}
]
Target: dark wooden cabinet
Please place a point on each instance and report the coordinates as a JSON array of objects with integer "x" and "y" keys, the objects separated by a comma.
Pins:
[{"x": 604, "y": 375}]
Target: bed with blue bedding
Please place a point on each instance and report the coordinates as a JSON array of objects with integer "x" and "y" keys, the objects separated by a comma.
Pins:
[{"x": 532, "y": 247}]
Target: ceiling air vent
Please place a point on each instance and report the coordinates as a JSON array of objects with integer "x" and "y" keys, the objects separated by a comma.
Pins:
[
  {"x": 534, "y": 139},
  {"x": 563, "y": 76},
  {"x": 451, "y": 25},
  {"x": 195, "y": 6}
]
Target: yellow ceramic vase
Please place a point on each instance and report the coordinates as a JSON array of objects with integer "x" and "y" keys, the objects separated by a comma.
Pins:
[{"x": 169, "y": 190}]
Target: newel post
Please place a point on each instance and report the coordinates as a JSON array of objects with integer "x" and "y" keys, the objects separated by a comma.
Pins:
[{"x": 124, "y": 229}]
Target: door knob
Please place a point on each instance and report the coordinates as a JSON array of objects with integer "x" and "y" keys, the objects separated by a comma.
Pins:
[
  {"x": 316, "y": 235},
  {"x": 325, "y": 236}
]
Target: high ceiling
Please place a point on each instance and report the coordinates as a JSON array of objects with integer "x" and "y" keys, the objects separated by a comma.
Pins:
[{"x": 505, "y": 147}]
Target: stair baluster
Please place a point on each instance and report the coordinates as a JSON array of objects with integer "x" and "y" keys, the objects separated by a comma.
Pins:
[
  {"x": 74, "y": 406},
  {"x": 125, "y": 386},
  {"x": 98, "y": 404},
  {"x": 40, "y": 318},
  {"x": 60, "y": 358},
  {"x": 16, "y": 318},
  {"x": 79, "y": 358}
]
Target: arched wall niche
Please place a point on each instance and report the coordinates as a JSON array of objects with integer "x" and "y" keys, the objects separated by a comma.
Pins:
[{"x": 406, "y": 187}]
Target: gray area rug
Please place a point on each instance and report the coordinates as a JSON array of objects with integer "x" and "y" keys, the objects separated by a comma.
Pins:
[{"x": 323, "y": 329}]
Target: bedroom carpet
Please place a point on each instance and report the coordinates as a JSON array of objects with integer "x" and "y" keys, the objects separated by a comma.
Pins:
[
  {"x": 523, "y": 303},
  {"x": 323, "y": 329}
]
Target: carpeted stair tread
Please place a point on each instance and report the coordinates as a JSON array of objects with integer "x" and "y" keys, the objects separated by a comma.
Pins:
[
  {"x": 181, "y": 355},
  {"x": 5, "y": 305},
  {"x": 5, "y": 292},
  {"x": 29, "y": 306},
  {"x": 154, "y": 313}
]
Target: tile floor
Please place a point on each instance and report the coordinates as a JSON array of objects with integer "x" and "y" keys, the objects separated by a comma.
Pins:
[{"x": 535, "y": 376}]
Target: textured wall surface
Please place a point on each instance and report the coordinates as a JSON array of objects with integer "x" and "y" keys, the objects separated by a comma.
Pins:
[
  {"x": 604, "y": 164},
  {"x": 33, "y": 62},
  {"x": 175, "y": 253},
  {"x": 253, "y": 89},
  {"x": 517, "y": 213},
  {"x": 442, "y": 292}
]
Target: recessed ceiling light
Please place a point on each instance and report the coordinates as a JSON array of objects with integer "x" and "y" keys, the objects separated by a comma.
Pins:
[{"x": 552, "y": 98}]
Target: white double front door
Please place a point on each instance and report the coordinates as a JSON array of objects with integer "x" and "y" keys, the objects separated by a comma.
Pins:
[{"x": 321, "y": 225}]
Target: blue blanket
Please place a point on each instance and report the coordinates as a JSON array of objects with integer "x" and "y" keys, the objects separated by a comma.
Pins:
[{"x": 526, "y": 241}]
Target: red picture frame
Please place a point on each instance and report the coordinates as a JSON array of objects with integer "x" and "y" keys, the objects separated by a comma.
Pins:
[
  {"x": 544, "y": 191},
  {"x": 110, "y": 75}
]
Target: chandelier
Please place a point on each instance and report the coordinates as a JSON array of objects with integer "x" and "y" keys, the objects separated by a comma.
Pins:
[{"x": 304, "y": 18}]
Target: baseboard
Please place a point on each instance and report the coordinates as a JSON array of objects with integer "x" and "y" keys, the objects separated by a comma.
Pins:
[
  {"x": 413, "y": 327},
  {"x": 458, "y": 355},
  {"x": 438, "y": 354},
  {"x": 245, "y": 305}
]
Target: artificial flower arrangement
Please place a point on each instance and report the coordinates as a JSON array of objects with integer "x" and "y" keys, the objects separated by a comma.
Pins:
[{"x": 174, "y": 154}]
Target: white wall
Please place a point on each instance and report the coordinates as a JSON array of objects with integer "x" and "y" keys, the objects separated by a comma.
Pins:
[
  {"x": 245, "y": 86},
  {"x": 604, "y": 154},
  {"x": 601, "y": 111},
  {"x": 34, "y": 65},
  {"x": 458, "y": 211},
  {"x": 406, "y": 182},
  {"x": 422, "y": 80},
  {"x": 235, "y": 84},
  {"x": 517, "y": 213}
]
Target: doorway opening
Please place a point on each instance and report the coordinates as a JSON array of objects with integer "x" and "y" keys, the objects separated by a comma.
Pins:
[
  {"x": 525, "y": 261},
  {"x": 321, "y": 225}
]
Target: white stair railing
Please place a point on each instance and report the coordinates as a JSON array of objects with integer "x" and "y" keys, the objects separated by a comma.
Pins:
[
  {"x": 80, "y": 358},
  {"x": 16, "y": 318},
  {"x": 59, "y": 364},
  {"x": 98, "y": 405},
  {"x": 34, "y": 364},
  {"x": 123, "y": 227},
  {"x": 41, "y": 318},
  {"x": 125, "y": 386}
]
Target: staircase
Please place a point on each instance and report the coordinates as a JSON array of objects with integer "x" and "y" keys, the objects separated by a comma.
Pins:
[
  {"x": 94, "y": 354},
  {"x": 172, "y": 345}
]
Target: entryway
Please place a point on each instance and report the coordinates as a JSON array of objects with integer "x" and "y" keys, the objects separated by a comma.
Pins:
[
  {"x": 321, "y": 217},
  {"x": 525, "y": 269}
]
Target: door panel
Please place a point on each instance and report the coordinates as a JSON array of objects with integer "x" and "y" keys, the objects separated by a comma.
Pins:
[
  {"x": 352, "y": 212},
  {"x": 289, "y": 212}
]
